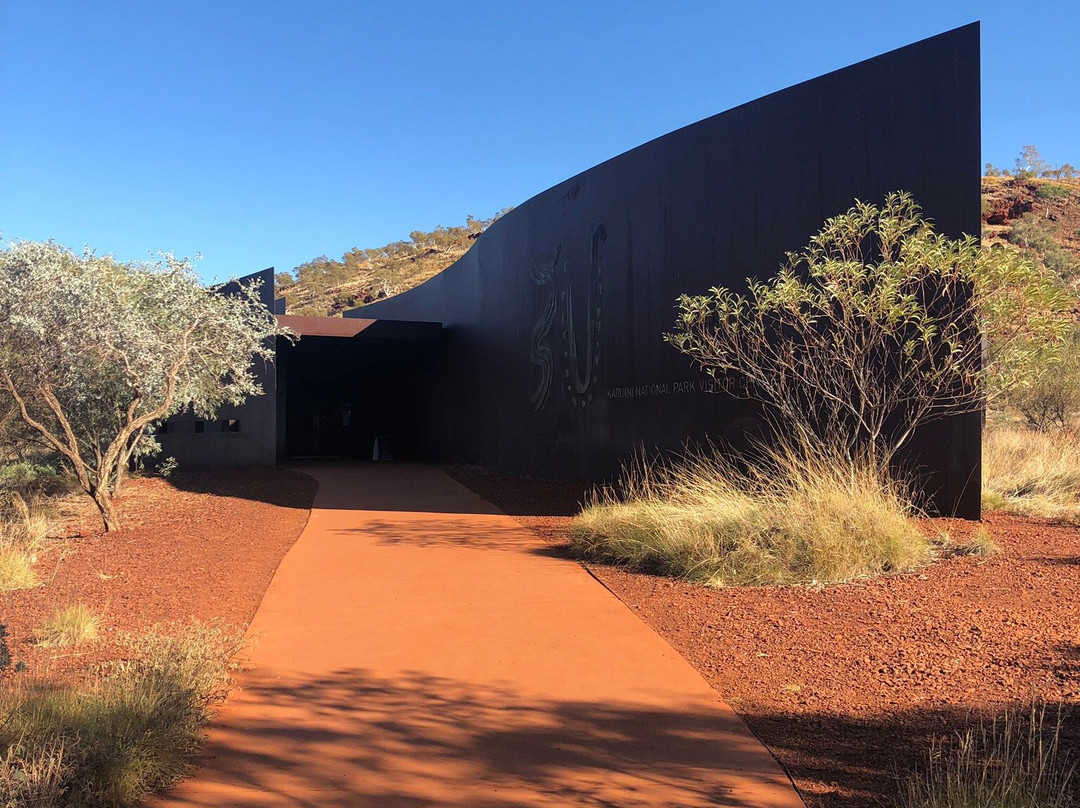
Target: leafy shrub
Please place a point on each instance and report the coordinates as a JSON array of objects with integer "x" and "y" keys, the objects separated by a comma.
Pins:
[
  {"x": 1033, "y": 232},
  {"x": 1015, "y": 761},
  {"x": 24, "y": 474},
  {"x": 1037, "y": 234},
  {"x": 1052, "y": 399},
  {"x": 877, "y": 288},
  {"x": 111, "y": 743},
  {"x": 798, "y": 517},
  {"x": 1052, "y": 190}
]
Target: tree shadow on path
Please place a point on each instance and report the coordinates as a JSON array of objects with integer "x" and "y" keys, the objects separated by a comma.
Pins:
[{"x": 356, "y": 739}]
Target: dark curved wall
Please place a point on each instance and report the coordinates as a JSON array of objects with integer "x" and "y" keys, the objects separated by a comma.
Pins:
[{"x": 554, "y": 364}]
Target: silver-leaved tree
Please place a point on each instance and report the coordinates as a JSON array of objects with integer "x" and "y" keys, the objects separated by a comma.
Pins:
[{"x": 93, "y": 352}]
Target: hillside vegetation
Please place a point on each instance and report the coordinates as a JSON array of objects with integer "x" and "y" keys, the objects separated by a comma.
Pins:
[{"x": 326, "y": 287}]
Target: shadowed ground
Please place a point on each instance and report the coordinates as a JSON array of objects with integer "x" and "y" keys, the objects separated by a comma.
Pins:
[{"x": 418, "y": 648}]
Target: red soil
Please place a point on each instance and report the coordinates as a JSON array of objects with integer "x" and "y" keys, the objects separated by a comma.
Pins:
[
  {"x": 848, "y": 685},
  {"x": 197, "y": 546}
]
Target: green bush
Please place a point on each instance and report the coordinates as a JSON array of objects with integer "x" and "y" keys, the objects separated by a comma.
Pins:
[
  {"x": 1052, "y": 190},
  {"x": 1032, "y": 473},
  {"x": 1052, "y": 400},
  {"x": 798, "y": 517},
  {"x": 1037, "y": 234},
  {"x": 24, "y": 474}
]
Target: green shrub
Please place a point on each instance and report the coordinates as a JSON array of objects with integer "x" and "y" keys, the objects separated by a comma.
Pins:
[
  {"x": 111, "y": 743},
  {"x": 1052, "y": 190},
  {"x": 24, "y": 474},
  {"x": 796, "y": 518},
  {"x": 1035, "y": 233},
  {"x": 1015, "y": 761},
  {"x": 1052, "y": 399}
]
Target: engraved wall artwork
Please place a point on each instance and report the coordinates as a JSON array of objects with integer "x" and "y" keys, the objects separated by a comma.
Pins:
[
  {"x": 580, "y": 351},
  {"x": 543, "y": 276},
  {"x": 582, "y": 374}
]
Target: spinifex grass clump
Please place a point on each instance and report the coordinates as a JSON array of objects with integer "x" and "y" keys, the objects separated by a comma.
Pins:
[
  {"x": 1015, "y": 761},
  {"x": 1032, "y": 473},
  {"x": 16, "y": 569},
  {"x": 112, "y": 742},
  {"x": 795, "y": 517},
  {"x": 68, "y": 626},
  {"x": 22, "y": 529}
]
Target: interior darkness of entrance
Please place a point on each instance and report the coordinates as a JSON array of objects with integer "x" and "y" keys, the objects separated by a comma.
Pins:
[{"x": 335, "y": 395}]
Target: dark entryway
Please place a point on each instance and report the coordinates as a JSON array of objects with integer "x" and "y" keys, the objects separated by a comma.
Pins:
[{"x": 339, "y": 392}]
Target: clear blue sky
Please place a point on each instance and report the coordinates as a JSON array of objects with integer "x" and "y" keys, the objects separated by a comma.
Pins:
[{"x": 267, "y": 133}]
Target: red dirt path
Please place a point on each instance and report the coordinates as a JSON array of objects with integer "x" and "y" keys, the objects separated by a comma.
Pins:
[
  {"x": 419, "y": 648},
  {"x": 848, "y": 684}
]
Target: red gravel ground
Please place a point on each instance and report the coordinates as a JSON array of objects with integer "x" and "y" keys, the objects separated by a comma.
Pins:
[
  {"x": 848, "y": 685},
  {"x": 197, "y": 546}
]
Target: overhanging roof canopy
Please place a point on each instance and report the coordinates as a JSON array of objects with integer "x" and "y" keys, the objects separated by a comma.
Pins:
[{"x": 350, "y": 327}]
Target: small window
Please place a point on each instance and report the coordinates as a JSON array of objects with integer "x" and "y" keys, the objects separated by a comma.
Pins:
[
  {"x": 230, "y": 425},
  {"x": 200, "y": 427}
]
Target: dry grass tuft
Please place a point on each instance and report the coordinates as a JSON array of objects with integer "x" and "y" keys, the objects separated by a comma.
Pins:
[
  {"x": 33, "y": 777},
  {"x": 68, "y": 626},
  {"x": 16, "y": 569},
  {"x": 798, "y": 517},
  {"x": 22, "y": 529},
  {"x": 132, "y": 731},
  {"x": 1015, "y": 761},
  {"x": 981, "y": 544},
  {"x": 1032, "y": 473}
]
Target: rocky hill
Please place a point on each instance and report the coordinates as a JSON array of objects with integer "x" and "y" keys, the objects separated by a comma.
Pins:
[
  {"x": 326, "y": 286},
  {"x": 1040, "y": 216}
]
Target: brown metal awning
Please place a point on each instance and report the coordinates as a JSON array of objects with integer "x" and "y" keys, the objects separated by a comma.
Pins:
[{"x": 349, "y": 327}]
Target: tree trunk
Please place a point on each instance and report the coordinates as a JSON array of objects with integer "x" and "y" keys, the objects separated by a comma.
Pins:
[
  {"x": 123, "y": 459},
  {"x": 121, "y": 472},
  {"x": 103, "y": 500}
]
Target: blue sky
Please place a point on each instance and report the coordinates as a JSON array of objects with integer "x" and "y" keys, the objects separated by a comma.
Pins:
[{"x": 267, "y": 133}]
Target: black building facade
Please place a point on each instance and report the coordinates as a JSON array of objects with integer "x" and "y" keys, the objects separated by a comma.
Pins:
[
  {"x": 540, "y": 351},
  {"x": 553, "y": 363}
]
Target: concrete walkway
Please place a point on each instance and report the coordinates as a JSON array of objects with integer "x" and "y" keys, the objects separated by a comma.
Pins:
[{"x": 419, "y": 648}]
